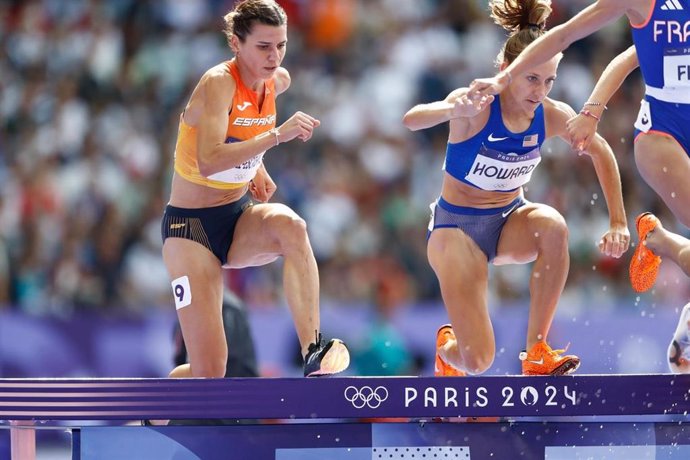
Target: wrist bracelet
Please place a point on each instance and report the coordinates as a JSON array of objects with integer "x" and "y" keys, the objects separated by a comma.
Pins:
[
  {"x": 510, "y": 77},
  {"x": 587, "y": 113},
  {"x": 275, "y": 132},
  {"x": 596, "y": 104}
]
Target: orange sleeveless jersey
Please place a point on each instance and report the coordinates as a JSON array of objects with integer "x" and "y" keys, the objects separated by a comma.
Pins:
[{"x": 245, "y": 121}]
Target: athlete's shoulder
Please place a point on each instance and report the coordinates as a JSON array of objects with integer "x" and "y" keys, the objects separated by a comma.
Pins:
[
  {"x": 282, "y": 80},
  {"x": 606, "y": 11},
  {"x": 556, "y": 115},
  {"x": 219, "y": 72},
  {"x": 218, "y": 80},
  {"x": 625, "y": 6},
  {"x": 554, "y": 107},
  {"x": 620, "y": 3}
]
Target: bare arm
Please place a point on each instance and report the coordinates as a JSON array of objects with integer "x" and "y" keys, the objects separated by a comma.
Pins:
[
  {"x": 455, "y": 105},
  {"x": 215, "y": 94},
  {"x": 609, "y": 177},
  {"x": 216, "y": 91},
  {"x": 556, "y": 40},
  {"x": 582, "y": 128},
  {"x": 613, "y": 77},
  {"x": 616, "y": 240},
  {"x": 282, "y": 80}
]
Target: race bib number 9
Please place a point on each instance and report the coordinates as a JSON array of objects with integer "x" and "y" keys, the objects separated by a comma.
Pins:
[
  {"x": 676, "y": 67},
  {"x": 182, "y": 292}
]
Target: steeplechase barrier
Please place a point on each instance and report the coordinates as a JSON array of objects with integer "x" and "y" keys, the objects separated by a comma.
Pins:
[{"x": 566, "y": 417}]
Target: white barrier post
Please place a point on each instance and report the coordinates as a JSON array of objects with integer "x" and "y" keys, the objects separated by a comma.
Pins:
[{"x": 22, "y": 440}]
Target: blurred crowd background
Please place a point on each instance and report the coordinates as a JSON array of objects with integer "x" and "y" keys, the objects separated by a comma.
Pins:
[{"x": 91, "y": 92}]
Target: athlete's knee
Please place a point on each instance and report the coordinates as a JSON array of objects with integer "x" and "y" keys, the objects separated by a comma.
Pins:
[
  {"x": 291, "y": 230},
  {"x": 648, "y": 164},
  {"x": 478, "y": 362},
  {"x": 437, "y": 256},
  {"x": 553, "y": 231},
  {"x": 680, "y": 210},
  {"x": 440, "y": 263},
  {"x": 477, "y": 359},
  {"x": 210, "y": 366}
]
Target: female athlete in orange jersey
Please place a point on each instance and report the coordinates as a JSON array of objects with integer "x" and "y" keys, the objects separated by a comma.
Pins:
[{"x": 211, "y": 221}]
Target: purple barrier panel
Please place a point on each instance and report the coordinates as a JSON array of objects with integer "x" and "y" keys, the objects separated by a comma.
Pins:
[
  {"x": 5, "y": 443},
  {"x": 332, "y": 453},
  {"x": 672, "y": 433},
  {"x": 344, "y": 398},
  {"x": 392, "y": 441},
  {"x": 552, "y": 440},
  {"x": 218, "y": 442}
]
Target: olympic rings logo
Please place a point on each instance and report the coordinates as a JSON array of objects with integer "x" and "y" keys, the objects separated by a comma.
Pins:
[{"x": 366, "y": 396}]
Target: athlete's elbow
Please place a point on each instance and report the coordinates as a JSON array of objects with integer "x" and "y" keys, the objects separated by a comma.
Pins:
[
  {"x": 600, "y": 149},
  {"x": 562, "y": 36},
  {"x": 406, "y": 121},
  {"x": 205, "y": 168},
  {"x": 409, "y": 122}
]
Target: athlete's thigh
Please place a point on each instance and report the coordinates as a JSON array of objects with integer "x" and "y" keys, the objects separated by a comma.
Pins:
[
  {"x": 519, "y": 240},
  {"x": 453, "y": 254},
  {"x": 462, "y": 271},
  {"x": 665, "y": 166},
  {"x": 258, "y": 235},
  {"x": 197, "y": 287}
]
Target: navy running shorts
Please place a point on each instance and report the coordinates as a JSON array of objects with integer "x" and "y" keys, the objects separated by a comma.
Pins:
[
  {"x": 212, "y": 227},
  {"x": 484, "y": 226}
]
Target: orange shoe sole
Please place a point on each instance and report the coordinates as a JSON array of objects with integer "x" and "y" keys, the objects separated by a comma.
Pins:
[
  {"x": 441, "y": 369},
  {"x": 568, "y": 367},
  {"x": 644, "y": 266}
]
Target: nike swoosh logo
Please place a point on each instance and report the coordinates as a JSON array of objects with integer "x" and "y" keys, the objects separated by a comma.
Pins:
[
  {"x": 243, "y": 106},
  {"x": 540, "y": 362},
  {"x": 496, "y": 139},
  {"x": 506, "y": 214}
]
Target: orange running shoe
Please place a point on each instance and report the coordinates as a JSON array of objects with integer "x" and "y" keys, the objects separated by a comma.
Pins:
[
  {"x": 644, "y": 266},
  {"x": 542, "y": 360},
  {"x": 441, "y": 368}
]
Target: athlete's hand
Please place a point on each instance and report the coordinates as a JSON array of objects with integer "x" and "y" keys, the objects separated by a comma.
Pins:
[
  {"x": 615, "y": 241},
  {"x": 581, "y": 131},
  {"x": 483, "y": 87},
  {"x": 300, "y": 126},
  {"x": 468, "y": 108},
  {"x": 262, "y": 186}
]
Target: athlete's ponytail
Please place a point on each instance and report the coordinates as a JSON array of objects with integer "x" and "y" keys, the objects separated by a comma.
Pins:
[{"x": 525, "y": 20}]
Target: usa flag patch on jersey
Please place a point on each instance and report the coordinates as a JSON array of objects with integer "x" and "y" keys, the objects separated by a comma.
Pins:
[{"x": 531, "y": 140}]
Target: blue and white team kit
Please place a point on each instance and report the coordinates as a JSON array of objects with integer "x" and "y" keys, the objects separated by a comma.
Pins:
[
  {"x": 662, "y": 42},
  {"x": 495, "y": 159}
]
